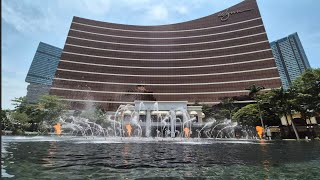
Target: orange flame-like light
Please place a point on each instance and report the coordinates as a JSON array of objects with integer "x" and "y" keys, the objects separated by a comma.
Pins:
[
  {"x": 259, "y": 130},
  {"x": 57, "y": 128},
  {"x": 129, "y": 129},
  {"x": 186, "y": 132}
]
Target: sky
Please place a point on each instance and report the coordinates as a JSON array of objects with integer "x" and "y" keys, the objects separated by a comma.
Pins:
[{"x": 27, "y": 22}]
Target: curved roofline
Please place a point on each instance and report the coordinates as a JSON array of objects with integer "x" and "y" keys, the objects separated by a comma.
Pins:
[{"x": 163, "y": 25}]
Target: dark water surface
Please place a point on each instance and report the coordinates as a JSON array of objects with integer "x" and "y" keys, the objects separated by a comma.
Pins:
[{"x": 54, "y": 158}]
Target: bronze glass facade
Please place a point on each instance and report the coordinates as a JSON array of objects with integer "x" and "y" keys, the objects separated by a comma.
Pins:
[{"x": 196, "y": 61}]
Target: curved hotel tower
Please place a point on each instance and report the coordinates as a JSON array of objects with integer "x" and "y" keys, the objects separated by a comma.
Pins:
[{"x": 201, "y": 60}]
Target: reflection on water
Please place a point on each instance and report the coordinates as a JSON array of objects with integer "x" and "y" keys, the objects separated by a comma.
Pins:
[
  {"x": 125, "y": 153},
  {"x": 265, "y": 159},
  {"x": 67, "y": 159},
  {"x": 266, "y": 164},
  {"x": 51, "y": 154},
  {"x": 4, "y": 155}
]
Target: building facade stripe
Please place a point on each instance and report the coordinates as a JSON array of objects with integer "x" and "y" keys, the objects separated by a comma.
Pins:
[
  {"x": 121, "y": 102},
  {"x": 169, "y": 52},
  {"x": 186, "y": 30},
  {"x": 165, "y": 45},
  {"x": 167, "y": 76},
  {"x": 139, "y": 93},
  {"x": 149, "y": 38},
  {"x": 184, "y": 59},
  {"x": 168, "y": 67},
  {"x": 177, "y": 84}
]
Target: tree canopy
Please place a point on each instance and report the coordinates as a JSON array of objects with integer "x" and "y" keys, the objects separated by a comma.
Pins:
[{"x": 30, "y": 117}]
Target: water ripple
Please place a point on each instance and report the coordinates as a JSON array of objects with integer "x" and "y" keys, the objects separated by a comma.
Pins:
[{"x": 70, "y": 158}]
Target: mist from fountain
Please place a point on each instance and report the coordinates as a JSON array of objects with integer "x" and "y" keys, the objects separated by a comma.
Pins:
[
  {"x": 206, "y": 128},
  {"x": 178, "y": 133},
  {"x": 164, "y": 125},
  {"x": 225, "y": 122},
  {"x": 187, "y": 121},
  {"x": 135, "y": 122},
  {"x": 227, "y": 127},
  {"x": 125, "y": 122}
]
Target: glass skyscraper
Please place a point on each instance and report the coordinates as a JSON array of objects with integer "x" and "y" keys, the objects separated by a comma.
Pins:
[
  {"x": 42, "y": 71},
  {"x": 290, "y": 58}
]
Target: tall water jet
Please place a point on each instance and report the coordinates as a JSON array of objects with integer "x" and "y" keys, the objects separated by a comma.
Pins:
[
  {"x": 173, "y": 123},
  {"x": 206, "y": 128},
  {"x": 135, "y": 122},
  {"x": 187, "y": 121},
  {"x": 164, "y": 123},
  {"x": 169, "y": 119},
  {"x": 227, "y": 127}
]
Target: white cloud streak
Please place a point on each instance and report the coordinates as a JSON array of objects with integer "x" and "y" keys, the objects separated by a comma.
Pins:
[{"x": 158, "y": 12}]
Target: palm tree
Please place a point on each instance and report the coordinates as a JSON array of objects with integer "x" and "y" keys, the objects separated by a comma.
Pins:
[
  {"x": 228, "y": 103},
  {"x": 306, "y": 89},
  {"x": 284, "y": 103},
  {"x": 253, "y": 91}
]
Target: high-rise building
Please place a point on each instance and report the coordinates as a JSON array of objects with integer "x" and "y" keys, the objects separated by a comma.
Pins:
[
  {"x": 202, "y": 60},
  {"x": 42, "y": 71},
  {"x": 290, "y": 58}
]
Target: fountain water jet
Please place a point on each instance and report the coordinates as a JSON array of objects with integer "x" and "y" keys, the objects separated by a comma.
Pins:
[{"x": 127, "y": 122}]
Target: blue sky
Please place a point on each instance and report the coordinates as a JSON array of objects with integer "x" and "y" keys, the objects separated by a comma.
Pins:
[{"x": 27, "y": 22}]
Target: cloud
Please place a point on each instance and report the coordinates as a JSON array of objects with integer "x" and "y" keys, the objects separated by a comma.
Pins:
[
  {"x": 26, "y": 18},
  {"x": 135, "y": 2},
  {"x": 158, "y": 12},
  {"x": 98, "y": 7},
  {"x": 89, "y": 7},
  {"x": 182, "y": 10}
]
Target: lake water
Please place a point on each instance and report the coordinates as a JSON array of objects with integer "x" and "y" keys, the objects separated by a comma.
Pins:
[{"x": 79, "y": 158}]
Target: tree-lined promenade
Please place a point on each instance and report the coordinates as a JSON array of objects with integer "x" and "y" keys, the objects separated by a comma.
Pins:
[
  {"x": 302, "y": 97},
  {"x": 267, "y": 107}
]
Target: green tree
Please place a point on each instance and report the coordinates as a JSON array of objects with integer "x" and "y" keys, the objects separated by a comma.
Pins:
[
  {"x": 19, "y": 102},
  {"x": 48, "y": 109},
  {"x": 21, "y": 105},
  {"x": 207, "y": 110},
  {"x": 33, "y": 116},
  {"x": 220, "y": 114},
  {"x": 283, "y": 103},
  {"x": 20, "y": 117},
  {"x": 6, "y": 123},
  {"x": 248, "y": 115},
  {"x": 306, "y": 91},
  {"x": 21, "y": 122},
  {"x": 254, "y": 90},
  {"x": 225, "y": 109}
]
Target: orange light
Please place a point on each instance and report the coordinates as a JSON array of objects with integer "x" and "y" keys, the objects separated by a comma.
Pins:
[
  {"x": 129, "y": 129},
  {"x": 57, "y": 128},
  {"x": 186, "y": 132},
  {"x": 259, "y": 130}
]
